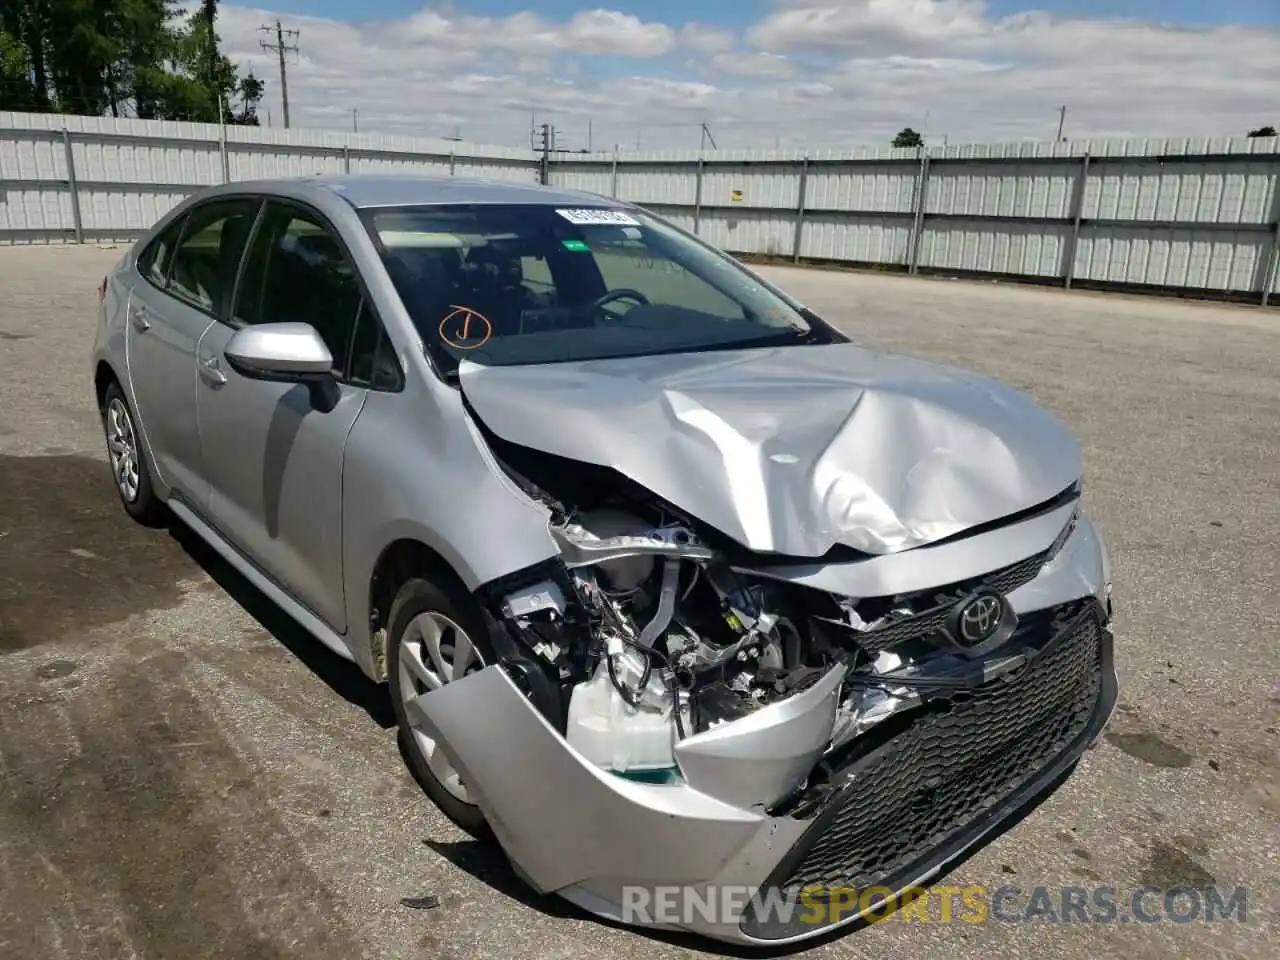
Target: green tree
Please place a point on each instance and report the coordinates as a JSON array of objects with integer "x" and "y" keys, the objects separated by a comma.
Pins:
[
  {"x": 139, "y": 57},
  {"x": 908, "y": 138},
  {"x": 82, "y": 55},
  {"x": 250, "y": 91},
  {"x": 17, "y": 92},
  {"x": 1267, "y": 131},
  {"x": 26, "y": 22},
  {"x": 147, "y": 41}
]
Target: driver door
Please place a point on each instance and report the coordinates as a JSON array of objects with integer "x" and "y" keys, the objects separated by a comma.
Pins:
[{"x": 274, "y": 462}]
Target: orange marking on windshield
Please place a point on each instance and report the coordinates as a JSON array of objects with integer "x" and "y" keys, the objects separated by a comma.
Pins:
[{"x": 468, "y": 329}]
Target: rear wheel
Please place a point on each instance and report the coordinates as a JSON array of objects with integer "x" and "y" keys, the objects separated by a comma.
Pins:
[
  {"x": 129, "y": 467},
  {"x": 435, "y": 635}
]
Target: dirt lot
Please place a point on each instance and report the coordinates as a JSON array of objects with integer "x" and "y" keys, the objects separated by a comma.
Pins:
[{"x": 185, "y": 774}]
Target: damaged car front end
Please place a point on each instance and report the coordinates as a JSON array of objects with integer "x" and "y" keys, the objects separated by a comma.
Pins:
[{"x": 811, "y": 650}]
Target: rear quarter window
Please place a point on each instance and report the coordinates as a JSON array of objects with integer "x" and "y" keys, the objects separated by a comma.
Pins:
[{"x": 153, "y": 262}]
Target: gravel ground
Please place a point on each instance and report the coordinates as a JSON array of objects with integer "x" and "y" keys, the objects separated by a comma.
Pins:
[{"x": 186, "y": 774}]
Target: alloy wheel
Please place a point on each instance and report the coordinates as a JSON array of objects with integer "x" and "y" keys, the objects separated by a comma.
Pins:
[
  {"x": 434, "y": 651},
  {"x": 122, "y": 447}
]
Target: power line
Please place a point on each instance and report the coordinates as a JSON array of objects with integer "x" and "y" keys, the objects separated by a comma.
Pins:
[{"x": 280, "y": 48}]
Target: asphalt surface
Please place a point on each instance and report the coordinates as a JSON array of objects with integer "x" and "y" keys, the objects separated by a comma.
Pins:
[{"x": 185, "y": 774}]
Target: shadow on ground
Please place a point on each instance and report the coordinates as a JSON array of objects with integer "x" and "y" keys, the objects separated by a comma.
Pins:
[
  {"x": 340, "y": 675},
  {"x": 72, "y": 560}
]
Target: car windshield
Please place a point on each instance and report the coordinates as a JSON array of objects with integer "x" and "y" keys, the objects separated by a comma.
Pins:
[{"x": 525, "y": 284}]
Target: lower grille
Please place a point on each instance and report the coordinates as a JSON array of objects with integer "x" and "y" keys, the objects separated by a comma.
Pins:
[{"x": 954, "y": 762}]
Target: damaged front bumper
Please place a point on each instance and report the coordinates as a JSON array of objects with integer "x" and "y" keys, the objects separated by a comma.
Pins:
[
  {"x": 896, "y": 815},
  {"x": 888, "y": 809}
]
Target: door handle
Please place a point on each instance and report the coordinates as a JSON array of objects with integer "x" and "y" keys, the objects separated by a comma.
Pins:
[
  {"x": 139, "y": 317},
  {"x": 211, "y": 371}
]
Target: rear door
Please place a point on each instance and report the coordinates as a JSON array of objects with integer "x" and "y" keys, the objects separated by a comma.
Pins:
[
  {"x": 185, "y": 278},
  {"x": 274, "y": 462}
]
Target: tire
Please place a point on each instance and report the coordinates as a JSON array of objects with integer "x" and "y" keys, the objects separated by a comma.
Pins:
[
  {"x": 420, "y": 602},
  {"x": 130, "y": 471}
]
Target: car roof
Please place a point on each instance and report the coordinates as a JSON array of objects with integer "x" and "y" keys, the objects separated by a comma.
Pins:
[{"x": 393, "y": 190}]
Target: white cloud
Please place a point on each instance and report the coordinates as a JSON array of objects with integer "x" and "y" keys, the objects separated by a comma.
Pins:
[
  {"x": 601, "y": 32},
  {"x": 754, "y": 64},
  {"x": 707, "y": 39},
  {"x": 863, "y": 24},
  {"x": 811, "y": 72}
]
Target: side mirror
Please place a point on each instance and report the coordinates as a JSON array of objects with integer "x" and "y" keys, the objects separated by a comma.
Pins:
[{"x": 286, "y": 353}]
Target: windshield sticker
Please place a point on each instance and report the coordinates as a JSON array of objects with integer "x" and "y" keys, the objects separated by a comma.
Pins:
[
  {"x": 608, "y": 218},
  {"x": 465, "y": 329},
  {"x": 575, "y": 246}
]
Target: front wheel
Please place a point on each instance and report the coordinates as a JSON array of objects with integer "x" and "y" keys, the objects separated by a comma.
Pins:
[{"x": 435, "y": 636}]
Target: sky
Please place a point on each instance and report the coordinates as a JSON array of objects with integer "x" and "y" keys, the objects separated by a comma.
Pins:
[{"x": 769, "y": 73}]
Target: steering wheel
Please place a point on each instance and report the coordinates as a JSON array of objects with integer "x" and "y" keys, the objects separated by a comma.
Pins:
[{"x": 622, "y": 293}]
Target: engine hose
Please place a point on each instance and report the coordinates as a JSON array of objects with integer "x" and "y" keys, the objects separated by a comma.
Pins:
[
  {"x": 666, "y": 603},
  {"x": 675, "y": 702},
  {"x": 648, "y": 653},
  {"x": 631, "y": 699}
]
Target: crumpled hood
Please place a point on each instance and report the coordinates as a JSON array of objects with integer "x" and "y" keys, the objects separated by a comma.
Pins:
[{"x": 793, "y": 450}]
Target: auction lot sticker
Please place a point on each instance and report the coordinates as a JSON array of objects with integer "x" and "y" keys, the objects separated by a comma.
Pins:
[{"x": 609, "y": 218}]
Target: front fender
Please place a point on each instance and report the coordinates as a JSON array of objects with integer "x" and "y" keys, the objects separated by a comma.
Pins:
[{"x": 415, "y": 469}]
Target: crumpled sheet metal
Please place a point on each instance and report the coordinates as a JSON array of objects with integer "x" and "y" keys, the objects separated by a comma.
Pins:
[{"x": 794, "y": 450}]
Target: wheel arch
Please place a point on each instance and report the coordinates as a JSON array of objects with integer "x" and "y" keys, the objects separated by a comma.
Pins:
[
  {"x": 400, "y": 560},
  {"x": 103, "y": 376}
]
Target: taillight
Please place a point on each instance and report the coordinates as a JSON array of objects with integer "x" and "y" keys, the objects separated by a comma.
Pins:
[{"x": 102, "y": 290}]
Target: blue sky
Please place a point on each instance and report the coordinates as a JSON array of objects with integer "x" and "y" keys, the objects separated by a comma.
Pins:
[
  {"x": 649, "y": 73},
  {"x": 731, "y": 12}
]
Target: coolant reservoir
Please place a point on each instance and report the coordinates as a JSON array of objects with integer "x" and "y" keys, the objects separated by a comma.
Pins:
[{"x": 618, "y": 737}]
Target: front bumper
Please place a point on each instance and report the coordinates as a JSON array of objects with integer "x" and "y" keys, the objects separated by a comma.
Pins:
[{"x": 917, "y": 791}]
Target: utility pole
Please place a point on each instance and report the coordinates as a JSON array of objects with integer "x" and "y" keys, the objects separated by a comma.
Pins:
[
  {"x": 1062, "y": 118},
  {"x": 706, "y": 135},
  {"x": 280, "y": 48},
  {"x": 588, "y": 135},
  {"x": 548, "y": 139},
  {"x": 355, "y": 119}
]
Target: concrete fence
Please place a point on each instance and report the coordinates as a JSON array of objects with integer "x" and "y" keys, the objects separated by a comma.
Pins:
[{"x": 1198, "y": 216}]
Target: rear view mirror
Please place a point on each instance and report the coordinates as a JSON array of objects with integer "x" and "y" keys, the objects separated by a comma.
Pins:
[{"x": 286, "y": 353}]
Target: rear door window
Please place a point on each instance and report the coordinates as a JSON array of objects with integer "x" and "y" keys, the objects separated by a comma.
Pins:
[
  {"x": 205, "y": 261},
  {"x": 153, "y": 263}
]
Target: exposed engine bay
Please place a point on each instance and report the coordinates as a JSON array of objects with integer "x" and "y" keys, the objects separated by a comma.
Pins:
[
  {"x": 658, "y": 634},
  {"x": 662, "y": 638}
]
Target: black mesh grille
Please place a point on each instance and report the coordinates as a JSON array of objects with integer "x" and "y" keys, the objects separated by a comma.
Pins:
[
  {"x": 948, "y": 767},
  {"x": 1011, "y": 578},
  {"x": 900, "y": 631},
  {"x": 930, "y": 621}
]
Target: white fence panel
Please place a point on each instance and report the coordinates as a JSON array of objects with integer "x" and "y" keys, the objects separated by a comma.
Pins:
[{"x": 1194, "y": 214}]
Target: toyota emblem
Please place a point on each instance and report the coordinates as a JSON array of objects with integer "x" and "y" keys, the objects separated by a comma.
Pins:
[{"x": 980, "y": 618}]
